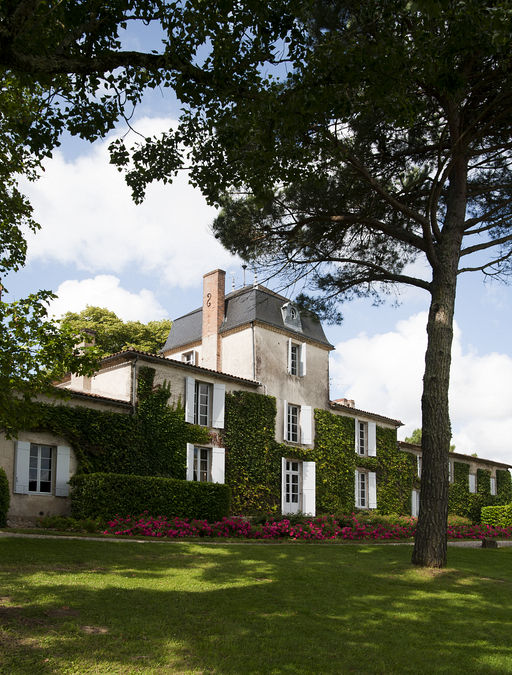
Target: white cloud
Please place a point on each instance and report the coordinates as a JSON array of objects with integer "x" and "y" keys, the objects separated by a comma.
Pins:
[
  {"x": 383, "y": 373},
  {"x": 105, "y": 291},
  {"x": 89, "y": 220}
]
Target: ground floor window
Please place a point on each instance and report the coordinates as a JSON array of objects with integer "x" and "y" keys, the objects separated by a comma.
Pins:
[
  {"x": 40, "y": 468},
  {"x": 205, "y": 464},
  {"x": 365, "y": 489},
  {"x": 202, "y": 464}
]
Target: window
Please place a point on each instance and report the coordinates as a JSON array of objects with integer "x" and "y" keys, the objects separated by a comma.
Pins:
[
  {"x": 493, "y": 485},
  {"x": 189, "y": 357},
  {"x": 292, "y": 433},
  {"x": 362, "y": 438},
  {"x": 366, "y": 438},
  {"x": 202, "y": 397},
  {"x": 40, "y": 468},
  {"x": 365, "y": 489},
  {"x": 296, "y": 358},
  {"x": 415, "y": 503},
  {"x": 472, "y": 482},
  {"x": 298, "y": 486},
  {"x": 418, "y": 465},
  {"x": 204, "y": 403},
  {"x": 291, "y": 316},
  {"x": 205, "y": 464},
  {"x": 450, "y": 471},
  {"x": 202, "y": 464}
]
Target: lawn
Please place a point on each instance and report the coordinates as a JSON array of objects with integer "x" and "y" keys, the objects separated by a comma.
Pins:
[{"x": 159, "y": 607}]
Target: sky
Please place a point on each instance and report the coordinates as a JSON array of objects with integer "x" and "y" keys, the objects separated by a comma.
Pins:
[{"x": 145, "y": 262}]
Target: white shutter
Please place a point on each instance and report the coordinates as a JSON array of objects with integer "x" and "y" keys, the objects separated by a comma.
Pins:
[
  {"x": 22, "y": 466},
  {"x": 190, "y": 387},
  {"x": 493, "y": 486},
  {"x": 283, "y": 485},
  {"x": 218, "y": 465},
  {"x": 62, "y": 471},
  {"x": 289, "y": 360},
  {"x": 302, "y": 366},
  {"x": 414, "y": 503},
  {"x": 356, "y": 488},
  {"x": 308, "y": 488},
  {"x": 219, "y": 398},
  {"x": 472, "y": 482},
  {"x": 190, "y": 461},
  {"x": 372, "y": 439},
  {"x": 306, "y": 425},
  {"x": 372, "y": 490},
  {"x": 285, "y": 423},
  {"x": 356, "y": 424}
]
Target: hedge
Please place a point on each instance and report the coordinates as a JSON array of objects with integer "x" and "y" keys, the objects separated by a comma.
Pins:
[
  {"x": 498, "y": 516},
  {"x": 4, "y": 498},
  {"x": 104, "y": 495}
]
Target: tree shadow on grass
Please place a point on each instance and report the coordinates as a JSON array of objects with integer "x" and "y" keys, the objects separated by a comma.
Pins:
[{"x": 80, "y": 607}]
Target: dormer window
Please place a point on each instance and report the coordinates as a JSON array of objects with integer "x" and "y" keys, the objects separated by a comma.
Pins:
[{"x": 291, "y": 316}]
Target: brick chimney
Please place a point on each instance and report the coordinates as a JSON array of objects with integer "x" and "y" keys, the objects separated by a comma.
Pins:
[
  {"x": 214, "y": 294},
  {"x": 348, "y": 402}
]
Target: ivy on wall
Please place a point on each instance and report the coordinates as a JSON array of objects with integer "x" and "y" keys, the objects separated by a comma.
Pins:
[
  {"x": 464, "y": 503},
  {"x": 151, "y": 442},
  {"x": 253, "y": 460}
]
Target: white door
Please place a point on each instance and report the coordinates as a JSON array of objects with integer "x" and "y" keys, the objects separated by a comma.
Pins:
[{"x": 292, "y": 486}]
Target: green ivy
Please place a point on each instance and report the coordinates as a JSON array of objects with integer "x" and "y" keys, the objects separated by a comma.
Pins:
[
  {"x": 464, "y": 503},
  {"x": 459, "y": 497},
  {"x": 396, "y": 474},
  {"x": 150, "y": 442},
  {"x": 503, "y": 486}
]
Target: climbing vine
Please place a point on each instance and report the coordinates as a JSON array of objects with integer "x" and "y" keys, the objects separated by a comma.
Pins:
[{"x": 150, "y": 442}]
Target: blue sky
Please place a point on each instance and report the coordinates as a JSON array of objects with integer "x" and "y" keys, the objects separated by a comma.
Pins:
[{"x": 146, "y": 262}]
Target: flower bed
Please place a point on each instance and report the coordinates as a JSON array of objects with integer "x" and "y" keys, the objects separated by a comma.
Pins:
[{"x": 322, "y": 528}]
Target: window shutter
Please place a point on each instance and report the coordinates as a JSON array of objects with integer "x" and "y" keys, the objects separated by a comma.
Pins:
[
  {"x": 289, "y": 362},
  {"x": 493, "y": 486},
  {"x": 190, "y": 461},
  {"x": 218, "y": 465},
  {"x": 190, "y": 386},
  {"x": 356, "y": 428},
  {"x": 356, "y": 496},
  {"x": 472, "y": 482},
  {"x": 22, "y": 465},
  {"x": 303, "y": 359},
  {"x": 372, "y": 439},
  {"x": 372, "y": 490},
  {"x": 308, "y": 488},
  {"x": 306, "y": 425},
  {"x": 414, "y": 503},
  {"x": 285, "y": 424},
  {"x": 219, "y": 398},
  {"x": 283, "y": 485},
  {"x": 62, "y": 471}
]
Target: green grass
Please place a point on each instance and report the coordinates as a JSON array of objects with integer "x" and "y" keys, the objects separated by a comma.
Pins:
[{"x": 117, "y": 607}]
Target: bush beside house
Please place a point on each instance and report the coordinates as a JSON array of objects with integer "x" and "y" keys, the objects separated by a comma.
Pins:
[{"x": 4, "y": 497}]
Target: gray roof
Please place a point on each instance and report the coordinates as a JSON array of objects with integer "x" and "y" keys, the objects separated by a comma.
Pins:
[{"x": 247, "y": 305}]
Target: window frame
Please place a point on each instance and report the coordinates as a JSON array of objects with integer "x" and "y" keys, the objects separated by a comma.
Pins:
[
  {"x": 198, "y": 414},
  {"x": 362, "y": 426},
  {"x": 196, "y": 469},
  {"x": 39, "y": 469},
  {"x": 293, "y": 410}
]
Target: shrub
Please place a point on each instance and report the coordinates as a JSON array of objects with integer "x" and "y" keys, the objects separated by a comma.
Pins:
[
  {"x": 5, "y": 498},
  {"x": 104, "y": 495},
  {"x": 64, "y": 523},
  {"x": 497, "y": 516}
]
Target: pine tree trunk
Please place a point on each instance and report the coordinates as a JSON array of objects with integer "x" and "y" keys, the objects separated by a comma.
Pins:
[{"x": 430, "y": 543}]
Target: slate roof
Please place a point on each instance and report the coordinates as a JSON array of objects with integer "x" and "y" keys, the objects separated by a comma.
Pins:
[{"x": 247, "y": 305}]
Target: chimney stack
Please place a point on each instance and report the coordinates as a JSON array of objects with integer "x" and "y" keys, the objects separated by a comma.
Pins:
[
  {"x": 214, "y": 294},
  {"x": 83, "y": 382}
]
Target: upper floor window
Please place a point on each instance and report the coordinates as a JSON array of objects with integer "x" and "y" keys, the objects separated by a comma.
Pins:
[
  {"x": 298, "y": 423},
  {"x": 296, "y": 358},
  {"x": 291, "y": 316},
  {"x": 362, "y": 438},
  {"x": 189, "y": 357},
  {"x": 366, "y": 438},
  {"x": 472, "y": 482},
  {"x": 204, "y": 403}
]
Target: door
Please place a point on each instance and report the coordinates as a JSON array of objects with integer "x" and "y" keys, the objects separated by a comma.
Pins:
[{"x": 292, "y": 482}]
